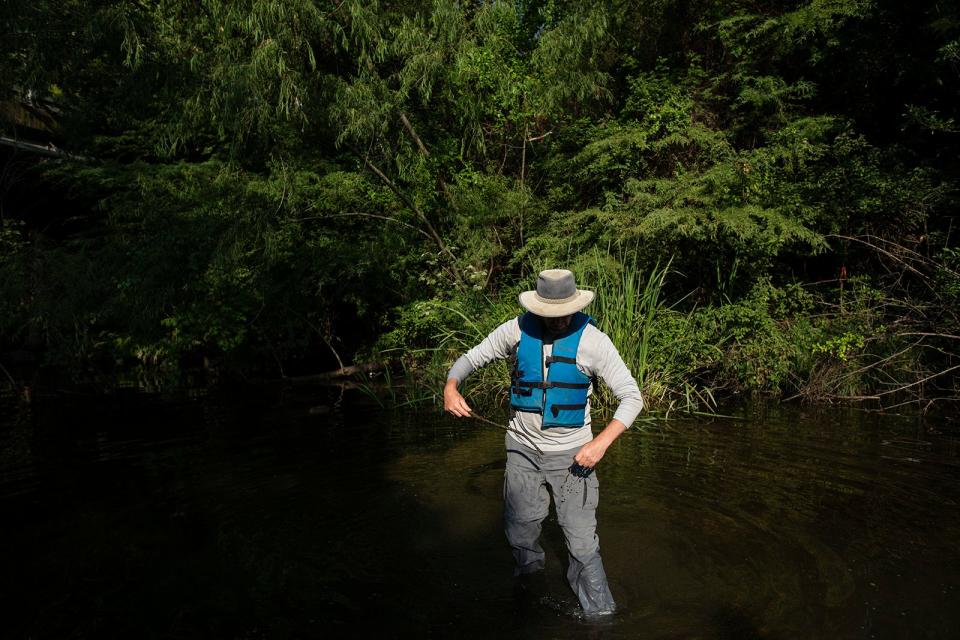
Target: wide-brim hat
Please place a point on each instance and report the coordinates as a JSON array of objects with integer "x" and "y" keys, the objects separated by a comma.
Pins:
[{"x": 556, "y": 295}]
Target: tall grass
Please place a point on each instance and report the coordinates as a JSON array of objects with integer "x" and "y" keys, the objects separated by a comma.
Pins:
[
  {"x": 625, "y": 308},
  {"x": 628, "y": 302},
  {"x": 466, "y": 325}
]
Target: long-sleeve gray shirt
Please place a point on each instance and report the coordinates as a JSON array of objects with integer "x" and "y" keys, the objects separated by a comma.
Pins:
[{"x": 596, "y": 356}]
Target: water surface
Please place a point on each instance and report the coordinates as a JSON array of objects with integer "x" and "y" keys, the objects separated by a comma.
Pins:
[{"x": 271, "y": 515}]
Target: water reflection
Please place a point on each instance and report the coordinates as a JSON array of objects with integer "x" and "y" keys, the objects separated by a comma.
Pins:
[{"x": 257, "y": 517}]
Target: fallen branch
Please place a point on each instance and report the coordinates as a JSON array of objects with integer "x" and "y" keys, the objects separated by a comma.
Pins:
[
  {"x": 337, "y": 375},
  {"x": 901, "y": 388},
  {"x": 48, "y": 150},
  {"x": 920, "y": 381},
  {"x": 873, "y": 365}
]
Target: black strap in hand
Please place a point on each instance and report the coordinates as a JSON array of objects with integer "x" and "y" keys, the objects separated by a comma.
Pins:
[{"x": 580, "y": 471}]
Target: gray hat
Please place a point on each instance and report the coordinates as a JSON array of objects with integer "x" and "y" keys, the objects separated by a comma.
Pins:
[{"x": 556, "y": 295}]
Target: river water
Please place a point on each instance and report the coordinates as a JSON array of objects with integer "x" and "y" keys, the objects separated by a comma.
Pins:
[{"x": 274, "y": 515}]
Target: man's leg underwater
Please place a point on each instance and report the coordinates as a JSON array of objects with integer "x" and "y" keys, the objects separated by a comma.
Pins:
[
  {"x": 576, "y": 499},
  {"x": 526, "y": 503}
]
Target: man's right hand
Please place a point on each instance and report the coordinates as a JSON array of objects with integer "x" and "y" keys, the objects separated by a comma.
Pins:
[{"x": 453, "y": 402}]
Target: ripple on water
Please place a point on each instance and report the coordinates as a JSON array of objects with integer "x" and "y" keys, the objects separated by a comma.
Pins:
[{"x": 797, "y": 519}]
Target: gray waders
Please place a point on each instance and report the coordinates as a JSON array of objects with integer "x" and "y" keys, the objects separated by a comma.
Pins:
[{"x": 527, "y": 503}]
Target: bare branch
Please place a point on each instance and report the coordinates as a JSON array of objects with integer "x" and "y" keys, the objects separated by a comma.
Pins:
[
  {"x": 889, "y": 254},
  {"x": 535, "y": 138},
  {"x": 413, "y": 134},
  {"x": 930, "y": 335}
]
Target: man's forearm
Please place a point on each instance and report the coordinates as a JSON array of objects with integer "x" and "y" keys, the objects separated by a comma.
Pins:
[
  {"x": 591, "y": 453},
  {"x": 611, "y": 432}
]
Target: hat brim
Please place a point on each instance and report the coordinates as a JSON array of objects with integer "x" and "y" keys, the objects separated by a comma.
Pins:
[{"x": 530, "y": 302}]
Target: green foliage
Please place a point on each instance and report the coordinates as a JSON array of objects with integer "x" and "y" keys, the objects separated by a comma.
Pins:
[
  {"x": 13, "y": 249},
  {"x": 755, "y": 344},
  {"x": 841, "y": 346},
  {"x": 429, "y": 334},
  {"x": 948, "y": 276},
  {"x": 11, "y": 239},
  {"x": 258, "y": 180}
]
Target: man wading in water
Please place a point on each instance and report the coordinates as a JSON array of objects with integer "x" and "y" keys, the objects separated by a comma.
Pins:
[{"x": 557, "y": 352}]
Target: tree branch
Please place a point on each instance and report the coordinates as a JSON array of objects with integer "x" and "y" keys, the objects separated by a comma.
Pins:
[
  {"x": 413, "y": 134},
  {"x": 426, "y": 154},
  {"x": 432, "y": 232}
]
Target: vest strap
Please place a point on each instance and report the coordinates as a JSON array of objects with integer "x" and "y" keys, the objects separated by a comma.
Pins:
[
  {"x": 529, "y": 384},
  {"x": 557, "y": 408},
  {"x": 569, "y": 385},
  {"x": 551, "y": 359}
]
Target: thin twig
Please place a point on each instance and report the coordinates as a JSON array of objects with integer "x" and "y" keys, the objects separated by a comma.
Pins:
[
  {"x": 880, "y": 250},
  {"x": 932, "y": 335},
  {"x": 514, "y": 431},
  {"x": 836, "y": 381},
  {"x": 901, "y": 387},
  {"x": 535, "y": 138},
  {"x": 9, "y": 377},
  {"x": 922, "y": 380},
  {"x": 367, "y": 215}
]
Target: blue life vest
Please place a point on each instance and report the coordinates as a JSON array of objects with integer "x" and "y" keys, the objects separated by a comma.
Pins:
[{"x": 562, "y": 397}]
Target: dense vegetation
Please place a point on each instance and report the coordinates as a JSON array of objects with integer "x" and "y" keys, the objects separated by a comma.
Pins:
[{"x": 762, "y": 191}]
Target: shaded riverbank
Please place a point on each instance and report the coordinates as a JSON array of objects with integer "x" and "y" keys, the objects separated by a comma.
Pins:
[{"x": 265, "y": 516}]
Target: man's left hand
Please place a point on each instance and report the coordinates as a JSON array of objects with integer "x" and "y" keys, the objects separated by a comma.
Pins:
[{"x": 590, "y": 453}]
